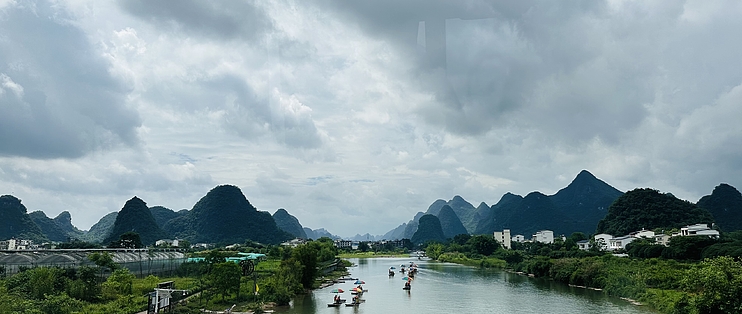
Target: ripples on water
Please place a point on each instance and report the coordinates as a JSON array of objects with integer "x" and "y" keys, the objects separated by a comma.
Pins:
[{"x": 451, "y": 288}]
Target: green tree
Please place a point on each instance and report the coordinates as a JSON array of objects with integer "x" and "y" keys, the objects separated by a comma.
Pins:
[
  {"x": 85, "y": 286},
  {"x": 215, "y": 257},
  {"x": 103, "y": 260},
  {"x": 434, "y": 250},
  {"x": 60, "y": 304},
  {"x": 483, "y": 244},
  {"x": 461, "y": 239},
  {"x": 37, "y": 282},
  {"x": 718, "y": 285},
  {"x": 225, "y": 278},
  {"x": 306, "y": 255},
  {"x": 285, "y": 282},
  {"x": 363, "y": 247},
  {"x": 119, "y": 283}
]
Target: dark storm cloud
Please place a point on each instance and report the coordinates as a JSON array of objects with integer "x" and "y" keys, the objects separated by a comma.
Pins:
[
  {"x": 486, "y": 61},
  {"x": 56, "y": 95},
  {"x": 224, "y": 20}
]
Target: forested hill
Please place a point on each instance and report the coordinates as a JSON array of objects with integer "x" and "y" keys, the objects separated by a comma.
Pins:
[
  {"x": 725, "y": 204},
  {"x": 136, "y": 217},
  {"x": 289, "y": 223},
  {"x": 650, "y": 209},
  {"x": 163, "y": 215},
  {"x": 450, "y": 223},
  {"x": 48, "y": 227},
  {"x": 429, "y": 229},
  {"x": 15, "y": 222},
  {"x": 224, "y": 215}
]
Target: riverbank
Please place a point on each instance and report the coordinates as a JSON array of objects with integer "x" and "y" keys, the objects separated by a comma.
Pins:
[{"x": 667, "y": 286}]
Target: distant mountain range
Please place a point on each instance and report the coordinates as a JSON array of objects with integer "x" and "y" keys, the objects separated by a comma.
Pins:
[
  {"x": 577, "y": 207},
  {"x": 224, "y": 215}
]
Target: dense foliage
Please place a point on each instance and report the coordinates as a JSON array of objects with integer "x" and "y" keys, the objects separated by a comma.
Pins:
[
  {"x": 135, "y": 216},
  {"x": 100, "y": 230},
  {"x": 14, "y": 221},
  {"x": 163, "y": 214},
  {"x": 289, "y": 223},
  {"x": 725, "y": 204},
  {"x": 649, "y": 209},
  {"x": 429, "y": 229},
  {"x": 48, "y": 226},
  {"x": 670, "y": 279}
]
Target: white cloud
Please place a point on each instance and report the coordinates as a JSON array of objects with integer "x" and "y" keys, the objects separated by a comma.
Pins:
[{"x": 328, "y": 109}]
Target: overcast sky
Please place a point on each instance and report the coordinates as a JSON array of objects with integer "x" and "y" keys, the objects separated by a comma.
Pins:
[{"x": 355, "y": 115}]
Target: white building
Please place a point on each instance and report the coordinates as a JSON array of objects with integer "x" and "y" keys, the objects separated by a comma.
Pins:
[
  {"x": 662, "y": 239},
  {"x": 602, "y": 240},
  {"x": 544, "y": 236},
  {"x": 163, "y": 242},
  {"x": 503, "y": 237},
  {"x": 583, "y": 244},
  {"x": 648, "y": 234},
  {"x": 518, "y": 238},
  {"x": 698, "y": 230},
  {"x": 620, "y": 242},
  {"x": 343, "y": 244}
]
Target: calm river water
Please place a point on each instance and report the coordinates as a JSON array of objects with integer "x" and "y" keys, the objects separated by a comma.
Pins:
[{"x": 451, "y": 288}]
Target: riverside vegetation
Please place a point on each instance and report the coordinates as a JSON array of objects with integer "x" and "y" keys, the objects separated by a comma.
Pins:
[
  {"x": 212, "y": 284},
  {"x": 692, "y": 275}
]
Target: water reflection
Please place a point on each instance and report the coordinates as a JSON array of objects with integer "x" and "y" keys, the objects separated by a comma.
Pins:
[{"x": 450, "y": 288}]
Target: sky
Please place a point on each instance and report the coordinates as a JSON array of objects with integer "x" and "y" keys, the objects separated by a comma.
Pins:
[{"x": 355, "y": 115}]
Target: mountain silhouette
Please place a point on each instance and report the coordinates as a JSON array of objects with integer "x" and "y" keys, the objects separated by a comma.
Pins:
[
  {"x": 289, "y": 223},
  {"x": 224, "y": 215},
  {"x": 48, "y": 226},
  {"x": 725, "y": 204},
  {"x": 136, "y": 217},
  {"x": 450, "y": 223},
  {"x": 429, "y": 229},
  {"x": 15, "y": 222}
]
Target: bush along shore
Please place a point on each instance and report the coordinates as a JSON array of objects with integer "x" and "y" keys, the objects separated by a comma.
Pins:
[
  {"x": 212, "y": 283},
  {"x": 685, "y": 281}
]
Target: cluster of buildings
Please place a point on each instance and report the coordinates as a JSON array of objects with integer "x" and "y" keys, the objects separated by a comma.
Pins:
[
  {"x": 609, "y": 242},
  {"x": 353, "y": 245},
  {"x": 505, "y": 239},
  {"x": 14, "y": 244}
]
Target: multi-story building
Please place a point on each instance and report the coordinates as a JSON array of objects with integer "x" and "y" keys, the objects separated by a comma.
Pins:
[{"x": 503, "y": 237}]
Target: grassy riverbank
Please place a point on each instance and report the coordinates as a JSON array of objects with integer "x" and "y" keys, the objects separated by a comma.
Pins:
[{"x": 710, "y": 286}]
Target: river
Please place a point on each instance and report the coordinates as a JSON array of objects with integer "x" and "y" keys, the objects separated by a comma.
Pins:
[{"x": 451, "y": 288}]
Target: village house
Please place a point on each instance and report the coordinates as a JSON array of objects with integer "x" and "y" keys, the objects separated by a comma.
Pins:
[
  {"x": 294, "y": 242},
  {"x": 611, "y": 243},
  {"x": 698, "y": 230},
  {"x": 544, "y": 236},
  {"x": 343, "y": 244},
  {"x": 518, "y": 238}
]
